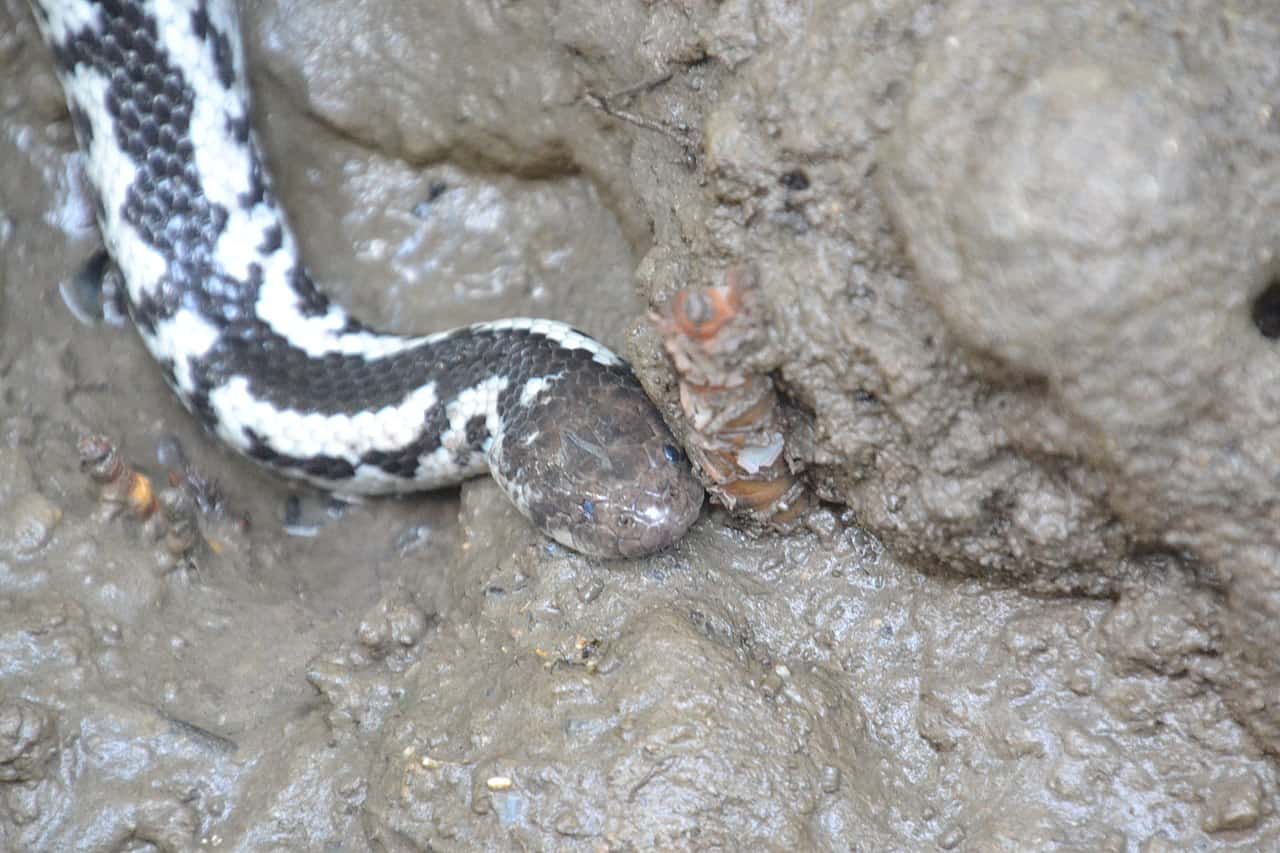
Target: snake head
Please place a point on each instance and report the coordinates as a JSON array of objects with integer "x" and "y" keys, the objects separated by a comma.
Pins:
[{"x": 596, "y": 468}]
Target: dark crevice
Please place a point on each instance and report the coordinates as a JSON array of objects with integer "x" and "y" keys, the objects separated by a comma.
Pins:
[{"x": 1266, "y": 310}]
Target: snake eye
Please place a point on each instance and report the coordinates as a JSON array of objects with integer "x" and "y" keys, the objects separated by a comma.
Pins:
[
  {"x": 671, "y": 452},
  {"x": 589, "y": 510}
]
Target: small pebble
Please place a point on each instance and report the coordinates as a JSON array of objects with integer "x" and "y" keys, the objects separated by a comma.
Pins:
[
  {"x": 591, "y": 591},
  {"x": 27, "y": 740},
  {"x": 17, "y": 431},
  {"x": 951, "y": 838},
  {"x": 28, "y": 524},
  {"x": 1114, "y": 842},
  {"x": 570, "y": 824},
  {"x": 170, "y": 454},
  {"x": 408, "y": 624},
  {"x": 412, "y": 538},
  {"x": 1233, "y": 803},
  {"x": 823, "y": 523},
  {"x": 1159, "y": 843}
]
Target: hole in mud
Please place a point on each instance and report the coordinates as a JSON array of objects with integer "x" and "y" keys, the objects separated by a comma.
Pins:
[
  {"x": 1266, "y": 310},
  {"x": 796, "y": 179}
]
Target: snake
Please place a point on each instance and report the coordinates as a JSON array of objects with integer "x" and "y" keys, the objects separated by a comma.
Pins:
[{"x": 158, "y": 96}]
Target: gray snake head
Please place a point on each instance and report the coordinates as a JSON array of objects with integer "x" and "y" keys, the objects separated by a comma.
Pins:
[{"x": 604, "y": 475}]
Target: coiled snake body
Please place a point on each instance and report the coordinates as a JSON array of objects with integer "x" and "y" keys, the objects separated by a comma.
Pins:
[{"x": 158, "y": 97}]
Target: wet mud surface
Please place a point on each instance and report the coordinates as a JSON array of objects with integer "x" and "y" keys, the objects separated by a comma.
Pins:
[{"x": 1036, "y": 610}]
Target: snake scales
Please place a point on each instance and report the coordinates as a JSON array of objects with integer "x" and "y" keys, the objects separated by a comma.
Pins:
[{"x": 158, "y": 96}]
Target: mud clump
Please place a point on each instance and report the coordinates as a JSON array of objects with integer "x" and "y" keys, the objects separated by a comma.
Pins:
[{"x": 1097, "y": 221}]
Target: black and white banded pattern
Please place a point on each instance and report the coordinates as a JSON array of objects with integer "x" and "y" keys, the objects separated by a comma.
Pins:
[{"x": 158, "y": 96}]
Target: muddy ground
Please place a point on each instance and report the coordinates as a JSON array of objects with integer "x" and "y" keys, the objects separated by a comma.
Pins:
[{"x": 1018, "y": 263}]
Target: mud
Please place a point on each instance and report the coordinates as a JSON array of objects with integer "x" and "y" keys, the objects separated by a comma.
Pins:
[{"x": 1035, "y": 613}]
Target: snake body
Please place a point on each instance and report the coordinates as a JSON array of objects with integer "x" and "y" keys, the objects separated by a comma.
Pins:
[{"x": 159, "y": 100}]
